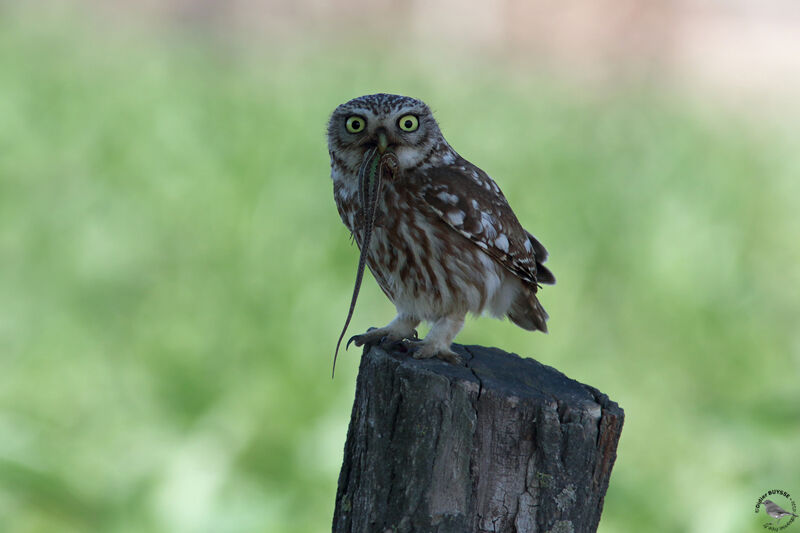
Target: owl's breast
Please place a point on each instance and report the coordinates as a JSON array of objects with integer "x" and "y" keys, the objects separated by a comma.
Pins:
[
  {"x": 422, "y": 265},
  {"x": 350, "y": 210}
]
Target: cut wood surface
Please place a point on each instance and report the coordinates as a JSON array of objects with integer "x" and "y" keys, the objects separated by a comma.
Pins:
[{"x": 503, "y": 444}]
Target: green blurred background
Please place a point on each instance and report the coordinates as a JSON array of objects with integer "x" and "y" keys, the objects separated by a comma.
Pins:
[{"x": 174, "y": 275}]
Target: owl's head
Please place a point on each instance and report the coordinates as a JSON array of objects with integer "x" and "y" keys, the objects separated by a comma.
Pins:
[{"x": 405, "y": 126}]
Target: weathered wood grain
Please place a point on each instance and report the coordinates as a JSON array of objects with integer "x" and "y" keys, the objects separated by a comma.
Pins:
[{"x": 505, "y": 444}]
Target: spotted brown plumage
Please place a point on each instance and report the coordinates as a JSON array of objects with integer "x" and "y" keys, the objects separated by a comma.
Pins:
[{"x": 445, "y": 241}]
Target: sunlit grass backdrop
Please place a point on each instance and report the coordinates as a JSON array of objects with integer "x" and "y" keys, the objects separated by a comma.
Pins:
[{"x": 173, "y": 277}]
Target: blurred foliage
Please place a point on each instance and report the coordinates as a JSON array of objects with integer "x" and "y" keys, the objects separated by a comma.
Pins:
[{"x": 173, "y": 276}]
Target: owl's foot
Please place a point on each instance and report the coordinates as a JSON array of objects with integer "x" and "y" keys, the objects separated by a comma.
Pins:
[
  {"x": 379, "y": 336},
  {"x": 427, "y": 350},
  {"x": 402, "y": 327},
  {"x": 438, "y": 340}
]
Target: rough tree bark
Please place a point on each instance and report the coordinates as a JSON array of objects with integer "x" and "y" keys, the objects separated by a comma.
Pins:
[{"x": 504, "y": 444}]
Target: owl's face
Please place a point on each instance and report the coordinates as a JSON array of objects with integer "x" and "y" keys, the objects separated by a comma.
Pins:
[{"x": 399, "y": 124}]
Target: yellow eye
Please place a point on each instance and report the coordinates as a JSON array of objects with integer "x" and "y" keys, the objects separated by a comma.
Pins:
[
  {"x": 408, "y": 123},
  {"x": 355, "y": 124}
]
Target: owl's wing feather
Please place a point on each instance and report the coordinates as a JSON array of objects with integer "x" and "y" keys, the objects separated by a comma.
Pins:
[
  {"x": 543, "y": 274},
  {"x": 471, "y": 203}
]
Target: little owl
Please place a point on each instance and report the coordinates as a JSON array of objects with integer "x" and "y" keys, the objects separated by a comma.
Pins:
[{"x": 444, "y": 241}]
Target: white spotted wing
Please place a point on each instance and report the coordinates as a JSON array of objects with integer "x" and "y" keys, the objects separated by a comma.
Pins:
[{"x": 472, "y": 204}]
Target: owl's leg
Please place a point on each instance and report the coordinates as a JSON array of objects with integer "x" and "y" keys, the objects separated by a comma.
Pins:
[
  {"x": 402, "y": 327},
  {"x": 438, "y": 340}
]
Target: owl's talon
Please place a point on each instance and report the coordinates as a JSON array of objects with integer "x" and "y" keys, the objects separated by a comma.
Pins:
[
  {"x": 354, "y": 338},
  {"x": 364, "y": 338},
  {"x": 450, "y": 356},
  {"x": 376, "y": 337},
  {"x": 422, "y": 350}
]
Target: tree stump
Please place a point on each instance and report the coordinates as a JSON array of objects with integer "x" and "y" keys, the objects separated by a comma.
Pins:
[{"x": 505, "y": 444}]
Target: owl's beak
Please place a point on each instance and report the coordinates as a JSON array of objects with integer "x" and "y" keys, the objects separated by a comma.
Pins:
[{"x": 383, "y": 141}]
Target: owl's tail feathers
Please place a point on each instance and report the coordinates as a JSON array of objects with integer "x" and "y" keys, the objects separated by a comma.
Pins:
[{"x": 527, "y": 312}]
